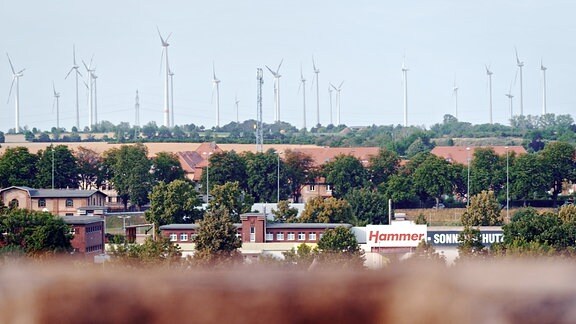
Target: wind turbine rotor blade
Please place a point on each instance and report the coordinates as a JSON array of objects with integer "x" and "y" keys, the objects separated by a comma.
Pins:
[
  {"x": 11, "y": 66},
  {"x": 85, "y": 66},
  {"x": 161, "y": 39},
  {"x": 161, "y": 62},
  {"x": 54, "y": 88},
  {"x": 10, "y": 92},
  {"x": 331, "y": 85},
  {"x": 340, "y": 86},
  {"x": 77, "y": 71},
  {"x": 269, "y": 69},
  {"x": 21, "y": 71},
  {"x": 74, "y": 54},
  {"x": 71, "y": 69},
  {"x": 167, "y": 38},
  {"x": 279, "y": 65}
]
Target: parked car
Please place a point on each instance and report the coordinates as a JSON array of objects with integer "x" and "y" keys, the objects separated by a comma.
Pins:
[{"x": 440, "y": 206}]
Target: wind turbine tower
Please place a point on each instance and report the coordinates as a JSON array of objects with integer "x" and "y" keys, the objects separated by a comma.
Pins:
[
  {"x": 330, "y": 94},
  {"x": 90, "y": 72},
  {"x": 405, "y": 82},
  {"x": 57, "y": 103},
  {"x": 171, "y": 74},
  {"x": 277, "y": 76},
  {"x": 94, "y": 78},
  {"x": 489, "y": 74},
  {"x": 216, "y": 85},
  {"x": 338, "y": 102},
  {"x": 543, "y": 68},
  {"x": 303, "y": 85},
  {"x": 165, "y": 45},
  {"x": 317, "y": 71},
  {"x": 510, "y": 96},
  {"x": 236, "y": 102},
  {"x": 520, "y": 65},
  {"x": 76, "y": 73},
  {"x": 15, "y": 79},
  {"x": 137, "y": 115},
  {"x": 259, "y": 135},
  {"x": 455, "y": 92}
]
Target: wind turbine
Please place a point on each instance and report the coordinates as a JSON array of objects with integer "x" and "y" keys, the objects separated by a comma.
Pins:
[
  {"x": 236, "y": 102},
  {"x": 15, "y": 78},
  {"x": 338, "y": 101},
  {"x": 543, "y": 68},
  {"x": 330, "y": 94},
  {"x": 277, "y": 76},
  {"x": 489, "y": 74},
  {"x": 216, "y": 85},
  {"x": 510, "y": 96},
  {"x": 165, "y": 45},
  {"x": 171, "y": 74},
  {"x": 455, "y": 92},
  {"x": 76, "y": 73},
  {"x": 57, "y": 103},
  {"x": 95, "y": 108},
  {"x": 520, "y": 65},
  {"x": 405, "y": 82},
  {"x": 90, "y": 72},
  {"x": 303, "y": 86},
  {"x": 317, "y": 71}
]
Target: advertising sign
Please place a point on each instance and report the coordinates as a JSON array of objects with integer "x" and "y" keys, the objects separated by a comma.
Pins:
[
  {"x": 450, "y": 238},
  {"x": 397, "y": 235}
]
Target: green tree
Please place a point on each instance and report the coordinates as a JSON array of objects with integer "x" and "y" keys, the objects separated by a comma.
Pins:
[
  {"x": 90, "y": 168},
  {"x": 262, "y": 170},
  {"x": 226, "y": 167},
  {"x": 60, "y": 160},
  {"x": 528, "y": 177},
  {"x": 173, "y": 202},
  {"x": 345, "y": 173},
  {"x": 129, "y": 171},
  {"x": 299, "y": 169},
  {"x": 284, "y": 213},
  {"x": 399, "y": 188},
  {"x": 232, "y": 198},
  {"x": 300, "y": 257},
  {"x": 470, "y": 243},
  {"x": 426, "y": 252},
  {"x": 329, "y": 210},
  {"x": 487, "y": 171},
  {"x": 484, "y": 210},
  {"x": 433, "y": 178},
  {"x": 166, "y": 167},
  {"x": 339, "y": 248},
  {"x": 368, "y": 206},
  {"x": 383, "y": 166},
  {"x": 17, "y": 167},
  {"x": 560, "y": 162},
  {"x": 216, "y": 240},
  {"x": 152, "y": 253},
  {"x": 36, "y": 233},
  {"x": 567, "y": 213}
]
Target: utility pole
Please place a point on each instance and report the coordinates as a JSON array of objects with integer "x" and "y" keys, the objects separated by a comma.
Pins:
[
  {"x": 259, "y": 135},
  {"x": 137, "y": 117}
]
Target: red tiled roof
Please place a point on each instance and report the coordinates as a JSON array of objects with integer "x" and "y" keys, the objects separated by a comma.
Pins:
[
  {"x": 322, "y": 155},
  {"x": 459, "y": 154}
]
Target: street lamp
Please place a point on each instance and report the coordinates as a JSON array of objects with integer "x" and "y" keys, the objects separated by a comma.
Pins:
[
  {"x": 507, "y": 187},
  {"x": 124, "y": 222},
  {"x": 207, "y": 176},
  {"x": 468, "y": 185},
  {"x": 278, "y": 179}
]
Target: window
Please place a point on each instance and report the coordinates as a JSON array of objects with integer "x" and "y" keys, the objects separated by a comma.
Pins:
[
  {"x": 252, "y": 234},
  {"x": 280, "y": 236},
  {"x": 328, "y": 188},
  {"x": 69, "y": 202},
  {"x": 14, "y": 203},
  {"x": 41, "y": 202},
  {"x": 301, "y": 236},
  {"x": 269, "y": 236},
  {"x": 173, "y": 237},
  {"x": 312, "y": 187},
  {"x": 312, "y": 236},
  {"x": 291, "y": 236},
  {"x": 184, "y": 237}
]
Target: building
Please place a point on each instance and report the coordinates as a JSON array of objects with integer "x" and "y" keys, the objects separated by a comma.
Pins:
[
  {"x": 60, "y": 202},
  {"x": 88, "y": 233},
  {"x": 461, "y": 154}
]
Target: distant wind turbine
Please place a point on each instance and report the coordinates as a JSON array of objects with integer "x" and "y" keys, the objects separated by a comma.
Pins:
[
  {"x": 330, "y": 94},
  {"x": 171, "y": 74},
  {"x": 489, "y": 74},
  {"x": 317, "y": 72},
  {"x": 90, "y": 72},
  {"x": 405, "y": 82},
  {"x": 165, "y": 45},
  {"x": 236, "y": 102},
  {"x": 510, "y": 97},
  {"x": 216, "y": 85},
  {"x": 76, "y": 73},
  {"x": 277, "y": 76},
  {"x": 338, "y": 102},
  {"x": 303, "y": 86},
  {"x": 15, "y": 79},
  {"x": 94, "y": 78},
  {"x": 543, "y": 68},
  {"x": 520, "y": 66},
  {"x": 455, "y": 92},
  {"x": 57, "y": 103}
]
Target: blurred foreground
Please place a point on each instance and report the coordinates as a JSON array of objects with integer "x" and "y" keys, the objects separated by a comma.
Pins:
[{"x": 495, "y": 292}]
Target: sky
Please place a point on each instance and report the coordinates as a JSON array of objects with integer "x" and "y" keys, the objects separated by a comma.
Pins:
[{"x": 362, "y": 43}]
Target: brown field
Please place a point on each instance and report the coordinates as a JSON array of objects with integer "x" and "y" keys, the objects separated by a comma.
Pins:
[
  {"x": 495, "y": 292},
  {"x": 450, "y": 216},
  {"x": 153, "y": 148}
]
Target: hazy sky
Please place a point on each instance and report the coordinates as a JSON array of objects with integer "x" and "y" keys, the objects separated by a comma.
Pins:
[{"x": 361, "y": 42}]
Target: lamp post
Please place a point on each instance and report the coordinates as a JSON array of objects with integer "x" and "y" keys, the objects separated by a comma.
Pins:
[
  {"x": 507, "y": 187},
  {"x": 207, "y": 176},
  {"x": 468, "y": 185},
  {"x": 124, "y": 222},
  {"x": 278, "y": 179}
]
